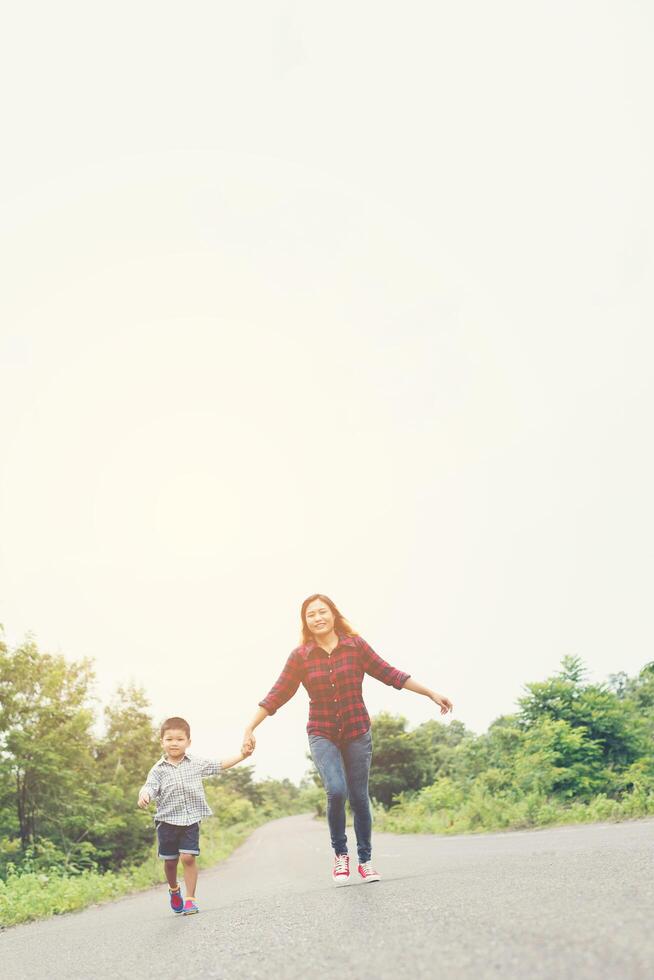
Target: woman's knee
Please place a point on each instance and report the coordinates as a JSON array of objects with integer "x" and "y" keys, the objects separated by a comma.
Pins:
[
  {"x": 336, "y": 794},
  {"x": 360, "y": 802}
]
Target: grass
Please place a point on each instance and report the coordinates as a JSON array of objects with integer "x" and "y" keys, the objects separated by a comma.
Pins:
[
  {"x": 26, "y": 897},
  {"x": 432, "y": 812}
]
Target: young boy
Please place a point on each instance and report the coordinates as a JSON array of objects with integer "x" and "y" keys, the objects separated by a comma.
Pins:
[{"x": 175, "y": 782}]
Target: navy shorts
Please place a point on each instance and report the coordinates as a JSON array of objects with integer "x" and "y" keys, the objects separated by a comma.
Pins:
[{"x": 175, "y": 840}]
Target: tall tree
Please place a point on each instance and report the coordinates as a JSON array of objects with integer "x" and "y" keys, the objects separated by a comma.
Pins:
[
  {"x": 396, "y": 764},
  {"x": 438, "y": 747},
  {"x": 613, "y": 725},
  {"x": 46, "y": 744},
  {"x": 125, "y": 754}
]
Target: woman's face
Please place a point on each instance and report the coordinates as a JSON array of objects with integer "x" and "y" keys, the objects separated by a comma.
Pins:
[{"x": 319, "y": 617}]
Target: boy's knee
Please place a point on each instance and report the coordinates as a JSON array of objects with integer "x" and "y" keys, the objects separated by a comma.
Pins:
[{"x": 187, "y": 859}]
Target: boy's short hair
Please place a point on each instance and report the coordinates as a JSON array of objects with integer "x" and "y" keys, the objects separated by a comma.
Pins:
[{"x": 175, "y": 723}]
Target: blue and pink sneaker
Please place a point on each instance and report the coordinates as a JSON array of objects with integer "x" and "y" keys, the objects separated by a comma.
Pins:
[
  {"x": 190, "y": 907},
  {"x": 176, "y": 900}
]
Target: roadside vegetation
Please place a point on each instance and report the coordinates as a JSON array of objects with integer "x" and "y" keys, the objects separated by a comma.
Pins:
[
  {"x": 574, "y": 752},
  {"x": 70, "y": 832}
]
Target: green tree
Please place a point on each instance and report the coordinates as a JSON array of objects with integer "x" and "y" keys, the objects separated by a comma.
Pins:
[
  {"x": 396, "y": 764},
  {"x": 278, "y": 796},
  {"x": 613, "y": 724},
  {"x": 46, "y": 747},
  {"x": 240, "y": 780},
  {"x": 438, "y": 747},
  {"x": 639, "y": 689},
  {"x": 556, "y": 758},
  {"x": 495, "y": 749},
  {"x": 124, "y": 756}
]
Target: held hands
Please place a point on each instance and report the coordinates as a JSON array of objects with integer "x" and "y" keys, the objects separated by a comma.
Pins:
[
  {"x": 444, "y": 703},
  {"x": 249, "y": 743}
]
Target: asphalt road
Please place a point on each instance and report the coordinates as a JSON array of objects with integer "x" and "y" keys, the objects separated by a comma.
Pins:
[{"x": 572, "y": 902}]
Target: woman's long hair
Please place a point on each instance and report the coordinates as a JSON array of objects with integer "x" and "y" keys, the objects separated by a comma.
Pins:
[{"x": 341, "y": 624}]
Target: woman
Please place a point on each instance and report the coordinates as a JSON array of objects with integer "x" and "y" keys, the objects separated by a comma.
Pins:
[{"x": 331, "y": 662}]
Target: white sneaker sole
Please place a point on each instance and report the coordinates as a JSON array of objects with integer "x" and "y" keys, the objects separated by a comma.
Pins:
[
  {"x": 341, "y": 880},
  {"x": 364, "y": 881}
]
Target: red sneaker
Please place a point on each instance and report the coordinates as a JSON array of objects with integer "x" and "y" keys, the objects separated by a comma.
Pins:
[
  {"x": 367, "y": 872},
  {"x": 341, "y": 869}
]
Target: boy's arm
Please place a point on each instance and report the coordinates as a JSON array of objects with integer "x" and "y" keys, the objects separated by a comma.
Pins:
[
  {"x": 212, "y": 768},
  {"x": 149, "y": 791},
  {"x": 234, "y": 760}
]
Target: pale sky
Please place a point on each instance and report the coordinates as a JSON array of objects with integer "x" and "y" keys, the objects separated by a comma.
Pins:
[{"x": 352, "y": 298}]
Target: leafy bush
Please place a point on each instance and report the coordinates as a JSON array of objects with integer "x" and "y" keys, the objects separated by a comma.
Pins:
[{"x": 574, "y": 752}]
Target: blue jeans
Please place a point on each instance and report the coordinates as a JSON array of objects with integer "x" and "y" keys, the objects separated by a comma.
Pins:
[{"x": 344, "y": 772}]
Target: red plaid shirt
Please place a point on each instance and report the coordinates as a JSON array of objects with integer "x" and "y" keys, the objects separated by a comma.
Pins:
[{"x": 333, "y": 683}]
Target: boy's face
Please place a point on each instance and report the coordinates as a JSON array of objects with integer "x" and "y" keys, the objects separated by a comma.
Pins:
[{"x": 175, "y": 742}]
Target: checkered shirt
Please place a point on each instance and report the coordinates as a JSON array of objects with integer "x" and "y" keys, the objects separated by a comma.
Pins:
[
  {"x": 178, "y": 789},
  {"x": 333, "y": 683}
]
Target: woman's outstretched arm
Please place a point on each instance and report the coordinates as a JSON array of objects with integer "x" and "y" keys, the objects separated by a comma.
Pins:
[
  {"x": 444, "y": 703},
  {"x": 249, "y": 741},
  {"x": 376, "y": 667}
]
